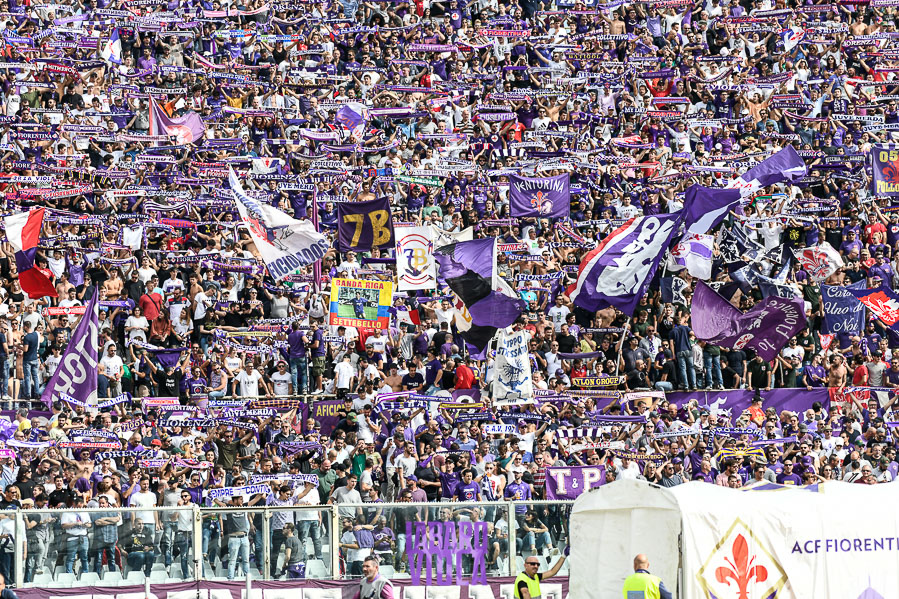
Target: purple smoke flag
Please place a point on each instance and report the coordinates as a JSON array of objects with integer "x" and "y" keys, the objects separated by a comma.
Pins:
[
  {"x": 735, "y": 401},
  {"x": 693, "y": 252},
  {"x": 187, "y": 129},
  {"x": 469, "y": 269},
  {"x": 619, "y": 270},
  {"x": 76, "y": 375},
  {"x": 786, "y": 165},
  {"x": 362, "y": 226},
  {"x": 569, "y": 482},
  {"x": 766, "y": 328},
  {"x": 546, "y": 197},
  {"x": 705, "y": 207}
]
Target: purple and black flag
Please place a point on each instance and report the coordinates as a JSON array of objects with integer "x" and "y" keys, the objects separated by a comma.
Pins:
[{"x": 469, "y": 269}]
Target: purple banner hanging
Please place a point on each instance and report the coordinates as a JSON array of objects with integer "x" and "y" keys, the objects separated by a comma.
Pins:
[
  {"x": 362, "y": 226},
  {"x": 543, "y": 197},
  {"x": 569, "y": 482}
]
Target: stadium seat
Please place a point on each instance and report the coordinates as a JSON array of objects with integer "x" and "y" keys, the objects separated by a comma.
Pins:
[
  {"x": 135, "y": 577},
  {"x": 315, "y": 568},
  {"x": 112, "y": 577},
  {"x": 88, "y": 578},
  {"x": 387, "y": 571}
]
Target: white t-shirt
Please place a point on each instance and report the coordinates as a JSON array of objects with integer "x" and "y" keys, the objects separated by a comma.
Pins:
[
  {"x": 141, "y": 499},
  {"x": 111, "y": 365},
  {"x": 281, "y": 382},
  {"x": 249, "y": 383},
  {"x": 558, "y": 314}
]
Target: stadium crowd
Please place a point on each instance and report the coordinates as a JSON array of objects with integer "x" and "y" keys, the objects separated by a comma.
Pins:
[{"x": 637, "y": 101}]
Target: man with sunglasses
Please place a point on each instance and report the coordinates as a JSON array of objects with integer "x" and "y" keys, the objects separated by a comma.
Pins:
[{"x": 527, "y": 584}]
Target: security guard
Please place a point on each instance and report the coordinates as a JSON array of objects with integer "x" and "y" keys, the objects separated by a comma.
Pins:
[
  {"x": 643, "y": 585},
  {"x": 527, "y": 584}
]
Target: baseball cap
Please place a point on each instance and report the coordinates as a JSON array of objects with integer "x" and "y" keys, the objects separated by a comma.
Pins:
[{"x": 412, "y": 477}]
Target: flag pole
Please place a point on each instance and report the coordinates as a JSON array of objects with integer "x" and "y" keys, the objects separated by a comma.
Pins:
[{"x": 627, "y": 326}]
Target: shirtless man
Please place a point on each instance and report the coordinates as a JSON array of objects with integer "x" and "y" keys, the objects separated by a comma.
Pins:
[
  {"x": 114, "y": 285},
  {"x": 837, "y": 372}
]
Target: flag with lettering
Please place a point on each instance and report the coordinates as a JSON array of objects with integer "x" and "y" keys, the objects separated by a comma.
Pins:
[
  {"x": 618, "y": 271},
  {"x": 885, "y": 160},
  {"x": 542, "y": 197},
  {"x": 76, "y": 375},
  {"x": 571, "y": 481},
  {"x": 362, "y": 226},
  {"x": 766, "y": 327},
  {"x": 843, "y": 313},
  {"x": 512, "y": 383}
]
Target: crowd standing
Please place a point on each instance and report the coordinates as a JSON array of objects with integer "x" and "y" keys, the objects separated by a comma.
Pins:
[{"x": 636, "y": 100}]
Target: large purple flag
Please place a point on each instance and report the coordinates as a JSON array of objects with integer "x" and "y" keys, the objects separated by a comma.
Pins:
[
  {"x": 842, "y": 313},
  {"x": 76, "y": 375},
  {"x": 362, "y": 226},
  {"x": 785, "y": 165},
  {"x": 766, "y": 328},
  {"x": 468, "y": 268},
  {"x": 705, "y": 207},
  {"x": 569, "y": 482},
  {"x": 618, "y": 271},
  {"x": 544, "y": 197},
  {"x": 187, "y": 129}
]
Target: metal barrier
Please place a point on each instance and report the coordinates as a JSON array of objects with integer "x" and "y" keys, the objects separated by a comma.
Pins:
[{"x": 109, "y": 546}]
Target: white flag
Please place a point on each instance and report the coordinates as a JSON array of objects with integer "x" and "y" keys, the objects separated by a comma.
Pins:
[
  {"x": 286, "y": 244},
  {"x": 694, "y": 252},
  {"x": 819, "y": 261},
  {"x": 415, "y": 258},
  {"x": 512, "y": 383}
]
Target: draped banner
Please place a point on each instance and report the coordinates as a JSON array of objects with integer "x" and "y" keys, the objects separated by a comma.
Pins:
[
  {"x": 886, "y": 170},
  {"x": 513, "y": 382},
  {"x": 362, "y": 226},
  {"x": 415, "y": 259},
  {"x": 843, "y": 313},
  {"x": 76, "y": 375},
  {"x": 542, "y": 197},
  {"x": 734, "y": 401},
  {"x": 569, "y": 482},
  {"x": 766, "y": 328}
]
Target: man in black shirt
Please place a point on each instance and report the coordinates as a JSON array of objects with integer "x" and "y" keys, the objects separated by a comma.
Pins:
[{"x": 566, "y": 340}]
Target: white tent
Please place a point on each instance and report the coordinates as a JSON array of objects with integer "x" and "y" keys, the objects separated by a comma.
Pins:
[{"x": 841, "y": 542}]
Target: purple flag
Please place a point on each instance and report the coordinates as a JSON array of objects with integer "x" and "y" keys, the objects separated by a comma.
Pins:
[
  {"x": 468, "y": 268},
  {"x": 786, "y": 165},
  {"x": 886, "y": 171},
  {"x": 545, "y": 197},
  {"x": 168, "y": 358},
  {"x": 569, "y": 482},
  {"x": 350, "y": 115},
  {"x": 766, "y": 328},
  {"x": 619, "y": 270},
  {"x": 362, "y": 226},
  {"x": 187, "y": 129},
  {"x": 705, "y": 208},
  {"x": 76, "y": 375},
  {"x": 842, "y": 312}
]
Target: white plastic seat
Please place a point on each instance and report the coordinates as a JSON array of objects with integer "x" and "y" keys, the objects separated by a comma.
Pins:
[
  {"x": 112, "y": 577},
  {"x": 315, "y": 568},
  {"x": 89, "y": 578}
]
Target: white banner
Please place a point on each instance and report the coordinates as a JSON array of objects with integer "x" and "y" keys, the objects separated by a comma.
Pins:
[
  {"x": 512, "y": 381},
  {"x": 285, "y": 244},
  {"x": 782, "y": 543},
  {"x": 415, "y": 258}
]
